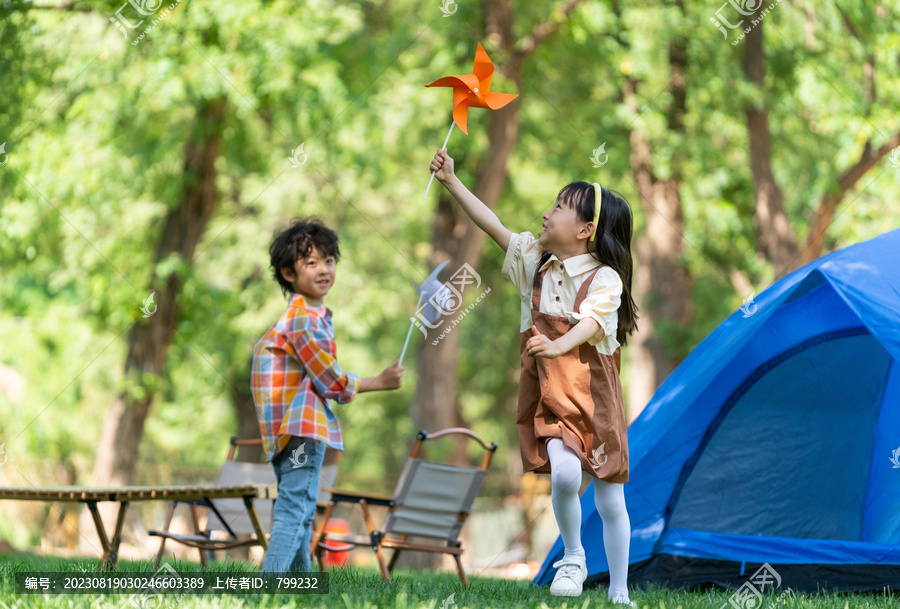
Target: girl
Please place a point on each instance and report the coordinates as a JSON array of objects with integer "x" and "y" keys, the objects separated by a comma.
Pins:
[{"x": 575, "y": 285}]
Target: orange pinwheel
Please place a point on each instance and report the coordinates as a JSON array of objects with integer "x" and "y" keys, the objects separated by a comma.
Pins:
[
  {"x": 474, "y": 90},
  {"x": 471, "y": 91}
]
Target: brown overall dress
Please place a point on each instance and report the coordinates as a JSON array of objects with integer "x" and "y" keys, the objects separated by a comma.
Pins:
[{"x": 576, "y": 397}]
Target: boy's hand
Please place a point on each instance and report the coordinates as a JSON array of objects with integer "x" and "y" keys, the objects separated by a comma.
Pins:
[
  {"x": 541, "y": 346},
  {"x": 442, "y": 166},
  {"x": 392, "y": 376}
]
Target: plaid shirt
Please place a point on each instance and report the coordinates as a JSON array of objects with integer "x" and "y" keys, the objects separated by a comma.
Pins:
[{"x": 296, "y": 375}]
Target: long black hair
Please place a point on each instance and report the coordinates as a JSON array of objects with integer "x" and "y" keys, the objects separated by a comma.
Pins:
[{"x": 611, "y": 244}]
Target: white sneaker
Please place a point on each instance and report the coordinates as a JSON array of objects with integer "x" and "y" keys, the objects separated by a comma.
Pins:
[{"x": 570, "y": 575}]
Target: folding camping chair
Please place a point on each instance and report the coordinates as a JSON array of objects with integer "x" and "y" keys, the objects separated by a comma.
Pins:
[
  {"x": 426, "y": 512},
  {"x": 229, "y": 515}
]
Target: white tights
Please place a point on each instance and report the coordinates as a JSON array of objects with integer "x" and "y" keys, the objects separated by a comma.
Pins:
[{"x": 565, "y": 478}]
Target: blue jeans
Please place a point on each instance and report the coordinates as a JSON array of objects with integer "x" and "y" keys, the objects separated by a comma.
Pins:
[{"x": 297, "y": 471}]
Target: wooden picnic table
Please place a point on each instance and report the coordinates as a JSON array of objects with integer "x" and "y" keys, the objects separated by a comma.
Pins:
[{"x": 123, "y": 495}]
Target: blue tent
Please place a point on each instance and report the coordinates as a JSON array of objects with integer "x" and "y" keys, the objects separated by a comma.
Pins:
[{"x": 776, "y": 441}]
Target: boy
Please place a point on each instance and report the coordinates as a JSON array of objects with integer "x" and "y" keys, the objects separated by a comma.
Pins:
[{"x": 295, "y": 376}]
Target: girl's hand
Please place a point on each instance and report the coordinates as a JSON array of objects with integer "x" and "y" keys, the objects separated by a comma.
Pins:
[
  {"x": 391, "y": 377},
  {"x": 541, "y": 346},
  {"x": 442, "y": 166}
]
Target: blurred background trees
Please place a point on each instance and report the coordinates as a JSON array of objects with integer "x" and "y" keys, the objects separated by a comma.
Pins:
[{"x": 162, "y": 165}]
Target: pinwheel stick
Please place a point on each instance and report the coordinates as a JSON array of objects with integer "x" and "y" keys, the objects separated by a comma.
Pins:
[
  {"x": 411, "y": 324},
  {"x": 444, "y": 147}
]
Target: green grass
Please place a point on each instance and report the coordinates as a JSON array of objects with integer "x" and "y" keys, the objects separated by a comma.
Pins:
[{"x": 363, "y": 589}]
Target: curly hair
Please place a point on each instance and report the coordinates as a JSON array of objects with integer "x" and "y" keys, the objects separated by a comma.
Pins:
[{"x": 298, "y": 241}]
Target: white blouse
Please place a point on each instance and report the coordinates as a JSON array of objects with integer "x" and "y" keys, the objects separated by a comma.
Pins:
[{"x": 560, "y": 287}]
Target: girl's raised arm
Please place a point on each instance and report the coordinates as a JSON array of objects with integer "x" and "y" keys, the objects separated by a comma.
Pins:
[{"x": 481, "y": 214}]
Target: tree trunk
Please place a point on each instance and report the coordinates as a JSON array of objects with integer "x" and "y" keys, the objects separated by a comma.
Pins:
[
  {"x": 828, "y": 204},
  {"x": 775, "y": 238},
  {"x": 662, "y": 283},
  {"x": 149, "y": 339},
  {"x": 662, "y": 286},
  {"x": 241, "y": 394},
  {"x": 245, "y": 411}
]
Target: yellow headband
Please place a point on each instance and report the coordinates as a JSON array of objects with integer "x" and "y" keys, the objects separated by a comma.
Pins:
[{"x": 598, "y": 193}]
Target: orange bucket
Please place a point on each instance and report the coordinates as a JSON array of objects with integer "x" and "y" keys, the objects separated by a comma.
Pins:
[{"x": 341, "y": 555}]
